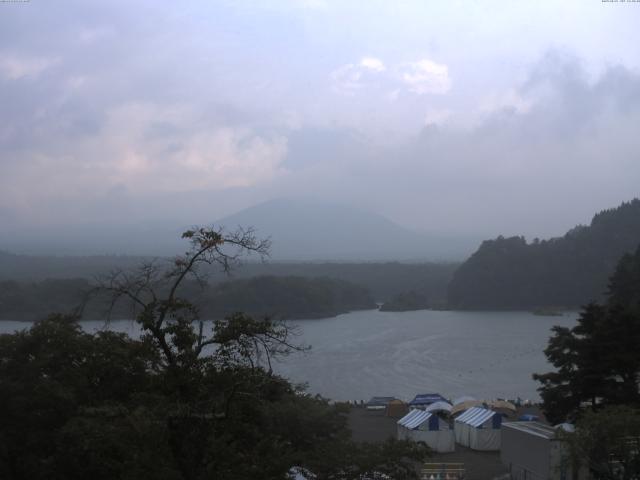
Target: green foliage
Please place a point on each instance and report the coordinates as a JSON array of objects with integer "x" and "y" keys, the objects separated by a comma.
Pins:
[
  {"x": 34, "y": 300},
  {"x": 608, "y": 442},
  {"x": 598, "y": 361},
  {"x": 509, "y": 273},
  {"x": 285, "y": 297},
  {"x": 288, "y": 297},
  {"x": 79, "y": 405},
  {"x": 54, "y": 374},
  {"x": 624, "y": 285},
  {"x": 383, "y": 280},
  {"x": 181, "y": 403},
  {"x": 407, "y": 301}
]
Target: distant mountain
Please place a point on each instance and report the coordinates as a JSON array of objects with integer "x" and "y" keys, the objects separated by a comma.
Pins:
[
  {"x": 509, "y": 273},
  {"x": 302, "y": 229}
]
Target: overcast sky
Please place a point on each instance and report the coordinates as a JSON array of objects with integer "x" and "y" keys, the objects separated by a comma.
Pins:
[{"x": 457, "y": 117}]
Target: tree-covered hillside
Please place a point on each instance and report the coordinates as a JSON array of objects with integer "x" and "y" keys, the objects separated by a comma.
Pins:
[
  {"x": 281, "y": 297},
  {"x": 288, "y": 297},
  {"x": 383, "y": 280},
  {"x": 509, "y": 273},
  {"x": 407, "y": 301}
]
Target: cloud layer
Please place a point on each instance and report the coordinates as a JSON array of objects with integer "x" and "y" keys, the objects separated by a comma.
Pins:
[
  {"x": 420, "y": 77},
  {"x": 132, "y": 114}
]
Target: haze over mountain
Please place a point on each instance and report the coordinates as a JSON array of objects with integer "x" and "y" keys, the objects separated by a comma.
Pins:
[
  {"x": 301, "y": 229},
  {"x": 127, "y": 119},
  {"x": 304, "y": 229}
]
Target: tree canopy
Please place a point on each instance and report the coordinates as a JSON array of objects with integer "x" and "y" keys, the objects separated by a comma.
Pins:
[
  {"x": 607, "y": 443},
  {"x": 185, "y": 401},
  {"x": 407, "y": 301},
  {"x": 282, "y": 297},
  {"x": 598, "y": 361},
  {"x": 570, "y": 271}
]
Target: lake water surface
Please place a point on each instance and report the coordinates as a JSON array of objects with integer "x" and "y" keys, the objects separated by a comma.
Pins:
[{"x": 361, "y": 354}]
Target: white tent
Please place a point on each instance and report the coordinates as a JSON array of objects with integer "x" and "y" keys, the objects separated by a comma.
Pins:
[
  {"x": 439, "y": 407},
  {"x": 479, "y": 429},
  {"x": 421, "y": 426}
]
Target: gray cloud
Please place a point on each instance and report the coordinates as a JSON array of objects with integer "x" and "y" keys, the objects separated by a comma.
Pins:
[
  {"x": 130, "y": 114},
  {"x": 573, "y": 152}
]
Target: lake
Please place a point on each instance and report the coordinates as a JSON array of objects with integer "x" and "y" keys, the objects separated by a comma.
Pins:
[{"x": 361, "y": 354}]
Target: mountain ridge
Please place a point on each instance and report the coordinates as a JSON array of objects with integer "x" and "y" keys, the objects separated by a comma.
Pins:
[{"x": 567, "y": 271}]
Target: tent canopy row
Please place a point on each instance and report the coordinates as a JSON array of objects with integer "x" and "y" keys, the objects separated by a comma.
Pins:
[{"x": 424, "y": 399}]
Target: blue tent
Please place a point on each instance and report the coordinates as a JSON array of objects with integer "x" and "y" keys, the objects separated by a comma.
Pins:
[
  {"x": 425, "y": 399},
  {"x": 479, "y": 429},
  {"x": 421, "y": 426},
  {"x": 378, "y": 403}
]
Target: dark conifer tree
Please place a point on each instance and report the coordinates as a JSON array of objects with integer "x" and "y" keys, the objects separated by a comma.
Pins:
[{"x": 598, "y": 361}]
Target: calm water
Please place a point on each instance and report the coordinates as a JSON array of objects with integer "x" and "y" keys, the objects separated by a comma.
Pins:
[{"x": 367, "y": 353}]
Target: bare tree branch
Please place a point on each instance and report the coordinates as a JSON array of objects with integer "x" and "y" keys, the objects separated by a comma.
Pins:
[{"x": 153, "y": 291}]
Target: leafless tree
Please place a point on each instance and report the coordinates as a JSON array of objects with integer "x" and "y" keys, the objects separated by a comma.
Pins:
[{"x": 174, "y": 324}]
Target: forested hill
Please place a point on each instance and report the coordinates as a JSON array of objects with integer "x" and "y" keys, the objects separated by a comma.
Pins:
[
  {"x": 383, "y": 280},
  {"x": 280, "y": 297},
  {"x": 285, "y": 297},
  {"x": 569, "y": 271}
]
